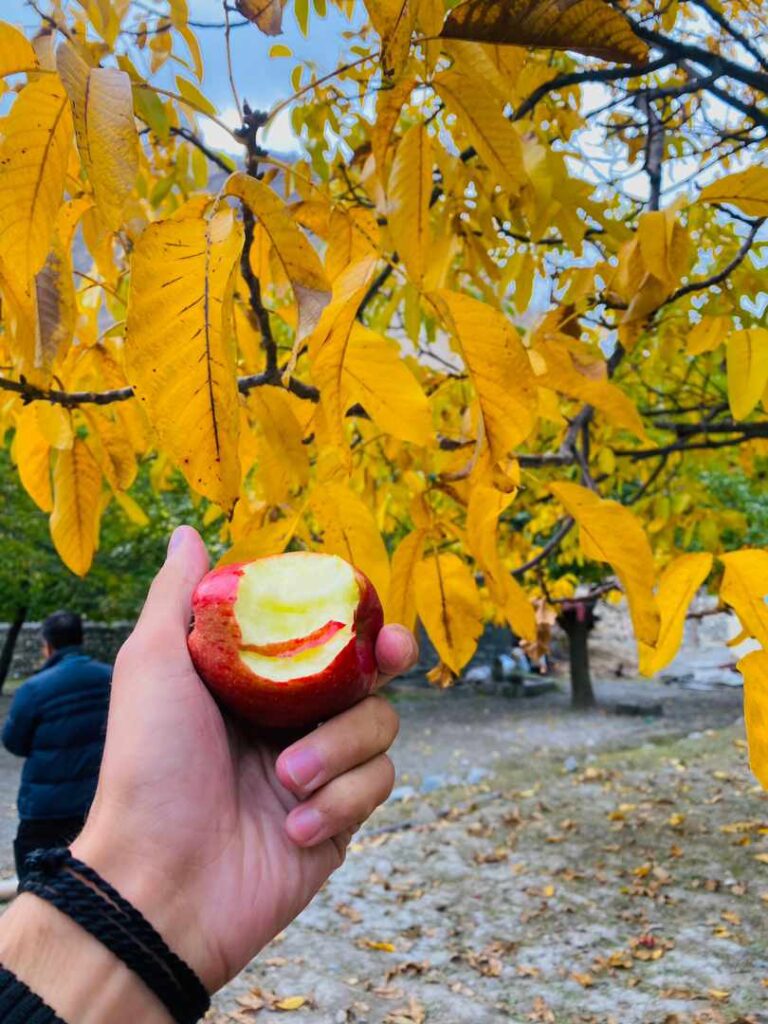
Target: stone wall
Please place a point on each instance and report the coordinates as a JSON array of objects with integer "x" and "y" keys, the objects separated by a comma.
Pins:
[{"x": 102, "y": 641}]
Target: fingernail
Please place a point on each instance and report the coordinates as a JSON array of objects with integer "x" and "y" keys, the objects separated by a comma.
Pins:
[
  {"x": 304, "y": 824},
  {"x": 177, "y": 539},
  {"x": 302, "y": 765}
]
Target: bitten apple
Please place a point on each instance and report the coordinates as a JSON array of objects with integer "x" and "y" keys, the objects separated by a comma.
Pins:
[{"x": 286, "y": 641}]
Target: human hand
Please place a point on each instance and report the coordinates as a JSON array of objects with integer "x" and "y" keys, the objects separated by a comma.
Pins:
[{"x": 221, "y": 839}]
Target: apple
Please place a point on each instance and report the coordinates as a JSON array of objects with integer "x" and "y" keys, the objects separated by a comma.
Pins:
[{"x": 286, "y": 641}]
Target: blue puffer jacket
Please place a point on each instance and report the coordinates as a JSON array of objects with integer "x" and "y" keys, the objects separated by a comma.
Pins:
[{"x": 57, "y": 721}]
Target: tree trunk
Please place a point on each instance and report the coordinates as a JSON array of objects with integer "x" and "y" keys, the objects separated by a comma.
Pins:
[
  {"x": 6, "y": 655},
  {"x": 582, "y": 694},
  {"x": 578, "y": 620}
]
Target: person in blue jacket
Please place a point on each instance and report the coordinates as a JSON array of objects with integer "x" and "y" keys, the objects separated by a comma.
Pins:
[{"x": 57, "y": 721}]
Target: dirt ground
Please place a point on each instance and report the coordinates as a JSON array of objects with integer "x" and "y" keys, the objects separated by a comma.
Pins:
[{"x": 606, "y": 869}]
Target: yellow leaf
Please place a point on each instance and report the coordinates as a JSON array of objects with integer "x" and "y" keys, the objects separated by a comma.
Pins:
[
  {"x": 76, "y": 506},
  {"x": 409, "y": 193},
  {"x": 329, "y": 344},
  {"x": 265, "y": 14},
  {"x": 260, "y": 541},
  {"x": 132, "y": 509},
  {"x": 16, "y": 52},
  {"x": 55, "y": 422},
  {"x": 448, "y": 605},
  {"x": 401, "y": 604},
  {"x": 283, "y": 459},
  {"x": 481, "y": 116},
  {"x": 562, "y": 374},
  {"x": 350, "y": 531},
  {"x": 32, "y": 455},
  {"x": 592, "y": 27},
  {"x": 375, "y": 374},
  {"x": 747, "y": 369},
  {"x": 111, "y": 448},
  {"x": 720, "y": 995},
  {"x": 37, "y": 135},
  {"x": 352, "y": 236},
  {"x": 708, "y": 333},
  {"x": 610, "y": 533},
  {"x": 394, "y": 21},
  {"x": 300, "y": 261},
  {"x": 744, "y": 588},
  {"x": 194, "y": 96},
  {"x": 748, "y": 190},
  {"x": 389, "y": 104},
  {"x": 498, "y": 366},
  {"x": 55, "y": 303},
  {"x": 291, "y": 1003},
  {"x": 102, "y": 105},
  {"x": 486, "y": 504},
  {"x": 663, "y": 245},
  {"x": 178, "y": 350},
  {"x": 381, "y": 947},
  {"x": 677, "y": 588}
]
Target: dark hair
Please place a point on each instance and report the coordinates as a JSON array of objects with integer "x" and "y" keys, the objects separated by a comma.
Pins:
[{"x": 63, "y": 629}]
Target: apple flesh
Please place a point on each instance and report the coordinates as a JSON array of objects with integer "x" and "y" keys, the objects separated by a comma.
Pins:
[{"x": 286, "y": 641}]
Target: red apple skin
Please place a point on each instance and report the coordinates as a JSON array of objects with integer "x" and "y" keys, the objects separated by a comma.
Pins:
[{"x": 214, "y": 645}]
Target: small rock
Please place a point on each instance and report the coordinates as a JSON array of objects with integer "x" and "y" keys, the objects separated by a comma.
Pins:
[
  {"x": 402, "y": 793},
  {"x": 477, "y": 775},
  {"x": 433, "y": 782},
  {"x": 570, "y": 764},
  {"x": 694, "y": 735}
]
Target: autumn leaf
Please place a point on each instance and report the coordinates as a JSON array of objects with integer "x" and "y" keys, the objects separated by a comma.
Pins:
[
  {"x": 747, "y": 369},
  {"x": 32, "y": 454},
  {"x": 480, "y": 114},
  {"x": 178, "y": 317},
  {"x": 401, "y": 603},
  {"x": 265, "y": 14},
  {"x": 375, "y": 374},
  {"x": 678, "y": 585},
  {"x": 747, "y": 190},
  {"x": 16, "y": 52},
  {"x": 262, "y": 539},
  {"x": 350, "y": 531},
  {"x": 486, "y": 504},
  {"x": 591, "y": 27},
  {"x": 448, "y": 604},
  {"x": 300, "y": 261},
  {"x": 283, "y": 459},
  {"x": 394, "y": 21},
  {"x": 498, "y": 366},
  {"x": 37, "y": 135},
  {"x": 744, "y": 588},
  {"x": 611, "y": 533},
  {"x": 102, "y": 106},
  {"x": 409, "y": 194},
  {"x": 56, "y": 306},
  {"x": 329, "y": 343},
  {"x": 76, "y": 506}
]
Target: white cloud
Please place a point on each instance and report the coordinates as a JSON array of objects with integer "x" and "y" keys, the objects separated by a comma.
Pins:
[{"x": 279, "y": 136}]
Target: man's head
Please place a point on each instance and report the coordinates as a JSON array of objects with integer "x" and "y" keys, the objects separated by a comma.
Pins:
[{"x": 62, "y": 629}]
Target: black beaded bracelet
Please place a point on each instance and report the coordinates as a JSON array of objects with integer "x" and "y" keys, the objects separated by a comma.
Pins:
[{"x": 84, "y": 896}]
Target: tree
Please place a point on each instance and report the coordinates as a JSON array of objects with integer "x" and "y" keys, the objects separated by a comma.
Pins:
[
  {"x": 482, "y": 339},
  {"x": 32, "y": 583}
]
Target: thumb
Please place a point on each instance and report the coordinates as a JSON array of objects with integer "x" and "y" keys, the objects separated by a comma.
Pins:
[{"x": 169, "y": 603}]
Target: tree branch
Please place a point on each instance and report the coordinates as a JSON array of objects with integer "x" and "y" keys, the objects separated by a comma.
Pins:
[
  {"x": 564, "y": 528},
  {"x": 721, "y": 275},
  {"x": 572, "y": 78},
  {"x": 719, "y": 18},
  {"x": 215, "y": 158}
]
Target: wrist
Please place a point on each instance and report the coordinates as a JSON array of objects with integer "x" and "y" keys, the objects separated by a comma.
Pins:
[
  {"x": 162, "y": 896},
  {"x": 70, "y": 970}
]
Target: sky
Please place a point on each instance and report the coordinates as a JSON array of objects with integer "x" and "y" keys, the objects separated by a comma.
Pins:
[{"x": 262, "y": 81}]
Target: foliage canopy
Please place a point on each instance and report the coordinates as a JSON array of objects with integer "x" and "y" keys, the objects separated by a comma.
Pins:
[{"x": 515, "y": 285}]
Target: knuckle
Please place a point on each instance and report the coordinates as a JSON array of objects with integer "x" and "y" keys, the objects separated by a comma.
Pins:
[{"x": 386, "y": 721}]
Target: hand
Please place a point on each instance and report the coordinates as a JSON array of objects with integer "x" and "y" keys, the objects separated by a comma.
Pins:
[{"x": 221, "y": 840}]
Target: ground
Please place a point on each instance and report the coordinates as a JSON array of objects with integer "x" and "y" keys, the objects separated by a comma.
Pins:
[
  {"x": 535, "y": 865},
  {"x": 607, "y": 869}
]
